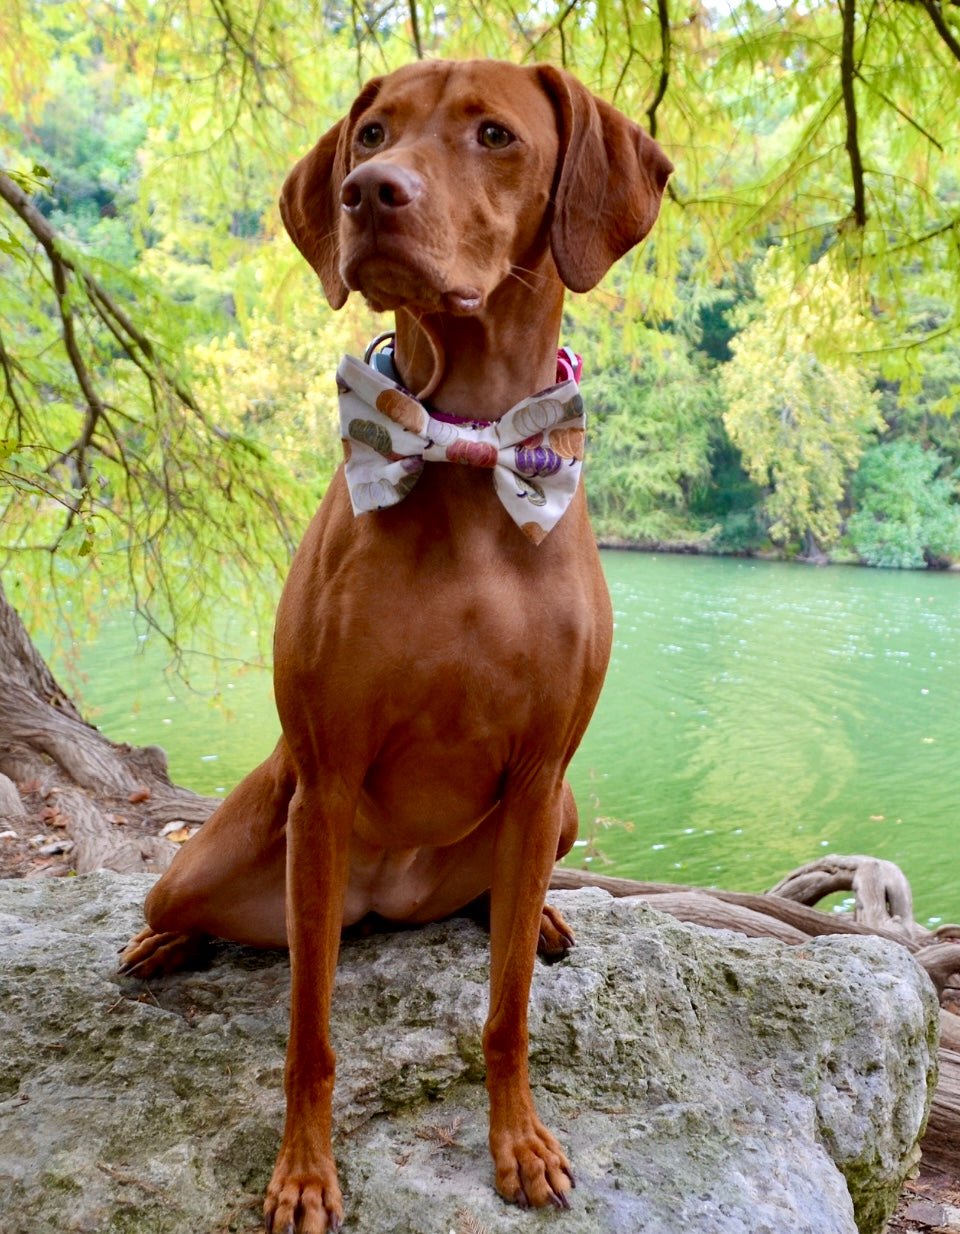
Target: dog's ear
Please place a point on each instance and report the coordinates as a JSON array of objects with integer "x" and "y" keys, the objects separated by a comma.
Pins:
[
  {"x": 310, "y": 199},
  {"x": 609, "y": 183}
]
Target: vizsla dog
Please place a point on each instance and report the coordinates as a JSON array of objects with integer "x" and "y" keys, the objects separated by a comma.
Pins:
[{"x": 439, "y": 653}]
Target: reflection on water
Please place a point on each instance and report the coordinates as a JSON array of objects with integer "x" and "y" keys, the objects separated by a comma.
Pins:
[
  {"x": 758, "y": 715},
  {"x": 755, "y": 716}
]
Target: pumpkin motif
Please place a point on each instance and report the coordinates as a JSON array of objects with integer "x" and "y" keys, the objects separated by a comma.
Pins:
[
  {"x": 405, "y": 484},
  {"x": 533, "y": 531},
  {"x": 473, "y": 453},
  {"x": 536, "y": 416},
  {"x": 371, "y": 434},
  {"x": 402, "y": 409},
  {"x": 568, "y": 442},
  {"x": 374, "y": 495},
  {"x": 440, "y": 433},
  {"x": 532, "y": 492},
  {"x": 537, "y": 460}
]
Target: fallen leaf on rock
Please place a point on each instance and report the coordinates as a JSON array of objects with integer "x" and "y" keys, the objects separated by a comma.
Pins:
[{"x": 924, "y": 1211}]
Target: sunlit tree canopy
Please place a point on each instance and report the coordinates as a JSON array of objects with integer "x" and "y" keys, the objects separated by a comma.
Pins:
[{"x": 164, "y": 351}]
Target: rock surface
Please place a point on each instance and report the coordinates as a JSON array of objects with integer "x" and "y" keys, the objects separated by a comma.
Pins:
[{"x": 700, "y": 1082}]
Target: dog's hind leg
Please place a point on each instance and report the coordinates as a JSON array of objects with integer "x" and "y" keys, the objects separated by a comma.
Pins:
[{"x": 228, "y": 881}]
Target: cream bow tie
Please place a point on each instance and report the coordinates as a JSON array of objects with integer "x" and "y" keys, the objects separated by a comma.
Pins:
[{"x": 534, "y": 451}]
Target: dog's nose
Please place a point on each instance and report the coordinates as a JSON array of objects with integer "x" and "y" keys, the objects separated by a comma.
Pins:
[{"x": 379, "y": 187}]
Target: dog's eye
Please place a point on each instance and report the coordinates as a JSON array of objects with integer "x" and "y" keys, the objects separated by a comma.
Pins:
[
  {"x": 495, "y": 136},
  {"x": 371, "y": 136}
]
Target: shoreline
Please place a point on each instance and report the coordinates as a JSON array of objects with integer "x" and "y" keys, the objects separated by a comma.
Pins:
[{"x": 690, "y": 548}]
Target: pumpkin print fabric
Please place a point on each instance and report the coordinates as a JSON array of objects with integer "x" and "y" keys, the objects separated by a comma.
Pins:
[{"x": 534, "y": 451}]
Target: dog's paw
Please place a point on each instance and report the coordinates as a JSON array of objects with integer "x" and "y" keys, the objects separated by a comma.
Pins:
[
  {"x": 556, "y": 937},
  {"x": 152, "y": 954},
  {"x": 532, "y": 1170},
  {"x": 303, "y": 1201}
]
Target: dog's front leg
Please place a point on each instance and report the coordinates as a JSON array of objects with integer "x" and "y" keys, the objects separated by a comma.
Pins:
[
  {"x": 304, "y": 1194},
  {"x": 530, "y": 1164}
]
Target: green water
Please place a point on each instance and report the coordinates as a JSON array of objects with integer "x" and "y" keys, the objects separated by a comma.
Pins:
[{"x": 756, "y": 715}]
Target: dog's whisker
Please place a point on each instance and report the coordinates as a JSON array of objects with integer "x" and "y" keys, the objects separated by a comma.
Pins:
[{"x": 524, "y": 282}]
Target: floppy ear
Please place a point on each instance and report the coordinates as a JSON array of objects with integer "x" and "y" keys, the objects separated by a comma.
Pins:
[
  {"x": 609, "y": 185},
  {"x": 310, "y": 200}
]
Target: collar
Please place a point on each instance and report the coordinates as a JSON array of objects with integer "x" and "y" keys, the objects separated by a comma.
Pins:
[{"x": 380, "y": 356}]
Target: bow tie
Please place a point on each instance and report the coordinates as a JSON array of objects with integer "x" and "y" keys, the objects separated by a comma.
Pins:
[{"x": 534, "y": 451}]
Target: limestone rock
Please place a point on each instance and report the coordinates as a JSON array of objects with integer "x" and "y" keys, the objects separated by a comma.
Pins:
[
  {"x": 10, "y": 804},
  {"x": 699, "y": 1081}
]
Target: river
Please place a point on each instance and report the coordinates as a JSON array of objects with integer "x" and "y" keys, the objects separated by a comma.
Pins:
[{"x": 756, "y": 715}]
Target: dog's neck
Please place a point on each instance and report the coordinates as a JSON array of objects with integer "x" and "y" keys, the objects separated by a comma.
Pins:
[{"x": 476, "y": 366}]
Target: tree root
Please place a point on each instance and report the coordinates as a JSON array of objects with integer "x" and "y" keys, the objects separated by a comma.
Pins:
[{"x": 883, "y": 905}]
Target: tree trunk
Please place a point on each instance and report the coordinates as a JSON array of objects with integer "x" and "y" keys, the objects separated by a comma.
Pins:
[{"x": 53, "y": 763}]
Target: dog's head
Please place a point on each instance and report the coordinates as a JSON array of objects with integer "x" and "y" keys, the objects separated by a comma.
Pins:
[{"x": 448, "y": 177}]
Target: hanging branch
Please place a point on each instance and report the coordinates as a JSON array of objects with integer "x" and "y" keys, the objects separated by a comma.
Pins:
[
  {"x": 415, "y": 29},
  {"x": 60, "y": 269},
  {"x": 936, "y": 16},
  {"x": 663, "y": 15},
  {"x": 116, "y": 468},
  {"x": 848, "y": 71},
  {"x": 136, "y": 345},
  {"x": 556, "y": 28}
]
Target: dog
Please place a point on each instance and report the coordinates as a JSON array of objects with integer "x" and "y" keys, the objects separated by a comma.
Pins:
[{"x": 445, "y": 629}]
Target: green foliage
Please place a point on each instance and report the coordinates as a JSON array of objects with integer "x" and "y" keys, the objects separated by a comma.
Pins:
[
  {"x": 113, "y": 477},
  {"x": 920, "y": 391},
  {"x": 800, "y": 418},
  {"x": 165, "y": 357},
  {"x": 908, "y": 515},
  {"x": 272, "y": 375},
  {"x": 652, "y": 422}
]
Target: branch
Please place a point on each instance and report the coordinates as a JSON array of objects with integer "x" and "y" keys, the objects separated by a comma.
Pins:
[
  {"x": 663, "y": 15},
  {"x": 941, "y": 26},
  {"x": 131, "y": 339},
  {"x": 557, "y": 28},
  {"x": 885, "y": 98},
  {"x": 848, "y": 71},
  {"x": 415, "y": 29},
  {"x": 61, "y": 268},
  {"x": 9, "y": 366}
]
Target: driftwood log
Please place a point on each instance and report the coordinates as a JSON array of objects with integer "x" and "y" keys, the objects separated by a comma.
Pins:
[{"x": 883, "y": 905}]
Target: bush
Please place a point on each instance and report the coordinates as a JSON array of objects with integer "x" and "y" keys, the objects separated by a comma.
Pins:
[
  {"x": 741, "y": 532},
  {"x": 650, "y": 431},
  {"x": 906, "y": 513}
]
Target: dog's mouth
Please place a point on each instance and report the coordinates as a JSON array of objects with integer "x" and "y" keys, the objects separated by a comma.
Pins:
[{"x": 388, "y": 283}]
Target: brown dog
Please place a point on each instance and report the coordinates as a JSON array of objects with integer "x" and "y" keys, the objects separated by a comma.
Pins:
[{"x": 435, "y": 667}]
